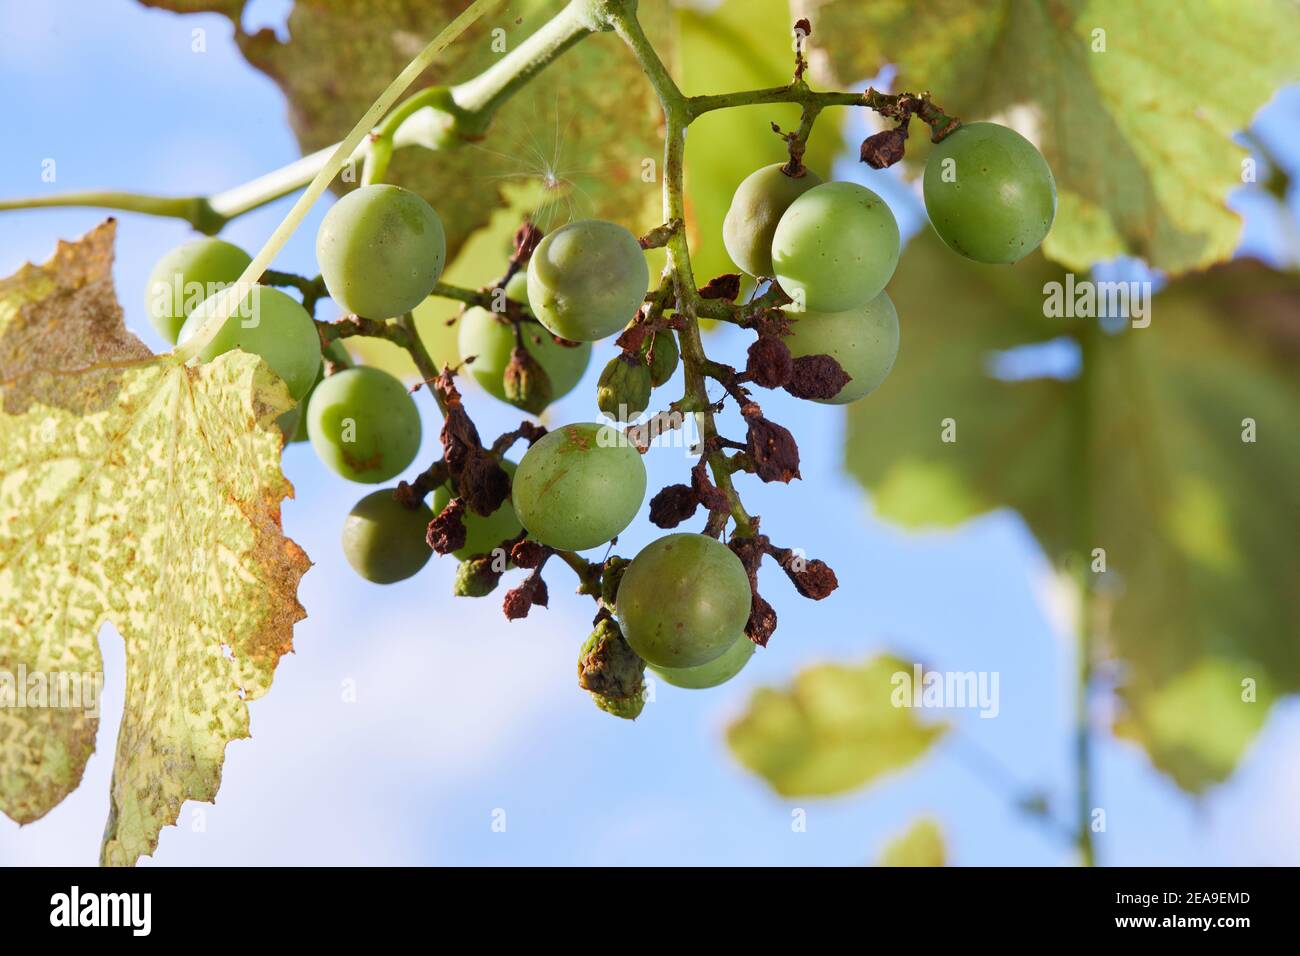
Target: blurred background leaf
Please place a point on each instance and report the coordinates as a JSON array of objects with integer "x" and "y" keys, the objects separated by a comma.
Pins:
[
  {"x": 1135, "y": 438},
  {"x": 835, "y": 730},
  {"x": 920, "y": 845},
  {"x": 1138, "y": 136}
]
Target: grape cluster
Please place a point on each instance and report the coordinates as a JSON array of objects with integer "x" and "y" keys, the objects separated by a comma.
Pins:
[{"x": 687, "y": 606}]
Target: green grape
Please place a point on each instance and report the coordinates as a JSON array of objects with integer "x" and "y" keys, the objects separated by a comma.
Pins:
[
  {"x": 295, "y": 427},
  {"x": 864, "y": 341},
  {"x": 586, "y": 279},
  {"x": 683, "y": 600},
  {"x": 579, "y": 486},
  {"x": 714, "y": 672},
  {"x": 186, "y": 276},
  {"x": 383, "y": 540},
  {"x": 989, "y": 192},
  {"x": 835, "y": 248},
  {"x": 381, "y": 249},
  {"x": 269, "y": 323},
  {"x": 490, "y": 339},
  {"x": 363, "y": 424},
  {"x": 664, "y": 361},
  {"x": 758, "y": 204},
  {"x": 623, "y": 391},
  {"x": 483, "y": 535}
]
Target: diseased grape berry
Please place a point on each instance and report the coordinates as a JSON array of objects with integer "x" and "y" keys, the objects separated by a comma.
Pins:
[
  {"x": 711, "y": 674},
  {"x": 989, "y": 192},
  {"x": 294, "y": 422},
  {"x": 384, "y": 540},
  {"x": 186, "y": 276},
  {"x": 623, "y": 391},
  {"x": 683, "y": 600},
  {"x": 269, "y": 323},
  {"x": 363, "y": 424},
  {"x": 381, "y": 249},
  {"x": 586, "y": 279},
  {"x": 864, "y": 341},
  {"x": 835, "y": 248},
  {"x": 579, "y": 486},
  {"x": 483, "y": 535},
  {"x": 757, "y": 206},
  {"x": 489, "y": 339}
]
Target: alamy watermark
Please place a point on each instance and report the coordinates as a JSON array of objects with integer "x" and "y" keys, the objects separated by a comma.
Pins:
[
  {"x": 56, "y": 690},
  {"x": 1086, "y": 299},
  {"x": 946, "y": 690}
]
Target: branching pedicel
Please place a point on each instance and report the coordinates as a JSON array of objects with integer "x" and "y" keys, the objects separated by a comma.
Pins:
[{"x": 688, "y": 605}]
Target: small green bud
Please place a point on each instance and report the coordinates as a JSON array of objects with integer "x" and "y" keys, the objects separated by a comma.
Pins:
[
  {"x": 623, "y": 391},
  {"x": 527, "y": 385},
  {"x": 476, "y": 577},
  {"x": 663, "y": 361},
  {"x": 612, "y": 672}
]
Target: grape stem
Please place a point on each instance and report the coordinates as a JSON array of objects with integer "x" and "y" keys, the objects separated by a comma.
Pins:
[{"x": 677, "y": 116}]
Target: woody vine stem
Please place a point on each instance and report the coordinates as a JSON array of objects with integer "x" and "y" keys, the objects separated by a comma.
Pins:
[{"x": 442, "y": 118}]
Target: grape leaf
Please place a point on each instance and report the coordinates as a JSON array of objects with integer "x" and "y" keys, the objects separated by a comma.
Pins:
[
  {"x": 920, "y": 845},
  {"x": 145, "y": 493},
  {"x": 1137, "y": 135},
  {"x": 582, "y": 129},
  {"x": 836, "y": 729},
  {"x": 1198, "y": 526},
  {"x": 739, "y": 45}
]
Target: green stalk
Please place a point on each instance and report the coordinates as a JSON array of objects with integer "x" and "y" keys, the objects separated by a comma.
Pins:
[
  {"x": 1081, "y": 424},
  {"x": 233, "y": 296}
]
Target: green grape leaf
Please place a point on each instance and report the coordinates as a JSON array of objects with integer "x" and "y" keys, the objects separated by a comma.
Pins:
[
  {"x": 144, "y": 493},
  {"x": 835, "y": 730},
  {"x": 920, "y": 845},
  {"x": 739, "y": 45},
  {"x": 1133, "y": 102},
  {"x": 1142, "y": 455},
  {"x": 582, "y": 129}
]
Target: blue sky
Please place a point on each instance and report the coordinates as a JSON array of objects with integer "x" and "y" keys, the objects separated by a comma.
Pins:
[{"x": 459, "y": 715}]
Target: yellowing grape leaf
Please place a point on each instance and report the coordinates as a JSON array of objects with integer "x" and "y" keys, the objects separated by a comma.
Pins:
[
  {"x": 1142, "y": 455},
  {"x": 738, "y": 45},
  {"x": 583, "y": 127},
  {"x": 142, "y": 492},
  {"x": 1133, "y": 102},
  {"x": 920, "y": 845},
  {"x": 836, "y": 729}
]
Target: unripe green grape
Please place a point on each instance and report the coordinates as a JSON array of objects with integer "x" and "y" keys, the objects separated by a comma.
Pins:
[
  {"x": 489, "y": 339},
  {"x": 363, "y": 424},
  {"x": 989, "y": 192},
  {"x": 586, "y": 279},
  {"x": 663, "y": 362},
  {"x": 757, "y": 206},
  {"x": 711, "y": 674},
  {"x": 579, "y": 486},
  {"x": 186, "y": 276},
  {"x": 683, "y": 600},
  {"x": 269, "y": 323},
  {"x": 623, "y": 391},
  {"x": 381, "y": 249},
  {"x": 483, "y": 535},
  {"x": 383, "y": 540},
  {"x": 295, "y": 428},
  {"x": 835, "y": 248},
  {"x": 864, "y": 341}
]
